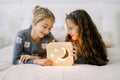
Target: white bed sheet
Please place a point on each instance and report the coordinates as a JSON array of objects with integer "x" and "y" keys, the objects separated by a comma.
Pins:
[{"x": 8, "y": 71}]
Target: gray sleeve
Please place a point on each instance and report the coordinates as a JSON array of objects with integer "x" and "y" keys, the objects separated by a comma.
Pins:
[{"x": 18, "y": 48}]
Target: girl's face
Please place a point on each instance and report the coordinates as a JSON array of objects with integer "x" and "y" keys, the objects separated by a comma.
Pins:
[
  {"x": 42, "y": 28},
  {"x": 72, "y": 29}
]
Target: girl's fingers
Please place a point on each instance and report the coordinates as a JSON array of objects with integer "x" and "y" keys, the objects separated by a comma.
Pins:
[
  {"x": 44, "y": 45},
  {"x": 73, "y": 44},
  {"x": 52, "y": 40},
  {"x": 24, "y": 58},
  {"x": 48, "y": 62},
  {"x": 74, "y": 51},
  {"x": 75, "y": 57},
  {"x": 75, "y": 48},
  {"x": 27, "y": 57}
]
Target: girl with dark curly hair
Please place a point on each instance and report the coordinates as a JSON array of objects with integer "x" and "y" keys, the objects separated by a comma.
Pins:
[{"x": 88, "y": 45}]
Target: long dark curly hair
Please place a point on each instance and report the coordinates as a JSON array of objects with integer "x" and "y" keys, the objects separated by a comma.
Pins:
[{"x": 92, "y": 49}]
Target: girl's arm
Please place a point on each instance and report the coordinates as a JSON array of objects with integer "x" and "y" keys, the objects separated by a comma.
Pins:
[
  {"x": 44, "y": 62},
  {"x": 18, "y": 50},
  {"x": 18, "y": 47},
  {"x": 25, "y": 58}
]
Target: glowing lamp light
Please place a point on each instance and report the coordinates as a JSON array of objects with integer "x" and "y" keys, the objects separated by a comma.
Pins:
[{"x": 60, "y": 53}]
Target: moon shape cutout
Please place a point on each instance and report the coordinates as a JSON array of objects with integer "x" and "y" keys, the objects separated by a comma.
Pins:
[{"x": 66, "y": 54}]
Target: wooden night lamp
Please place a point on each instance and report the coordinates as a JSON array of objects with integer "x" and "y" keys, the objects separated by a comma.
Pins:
[{"x": 60, "y": 53}]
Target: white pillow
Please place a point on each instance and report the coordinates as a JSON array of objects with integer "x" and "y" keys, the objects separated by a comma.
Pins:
[
  {"x": 107, "y": 38},
  {"x": 59, "y": 32}
]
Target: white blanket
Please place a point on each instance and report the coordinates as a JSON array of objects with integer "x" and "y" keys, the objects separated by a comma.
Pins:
[{"x": 8, "y": 71}]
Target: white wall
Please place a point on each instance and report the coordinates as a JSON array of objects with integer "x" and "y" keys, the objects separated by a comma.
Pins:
[
  {"x": 10, "y": 22},
  {"x": 17, "y": 14}
]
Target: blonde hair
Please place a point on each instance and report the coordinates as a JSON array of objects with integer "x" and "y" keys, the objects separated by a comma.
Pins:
[{"x": 40, "y": 13}]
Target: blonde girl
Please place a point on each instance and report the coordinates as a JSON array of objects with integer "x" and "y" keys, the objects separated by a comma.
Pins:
[{"x": 29, "y": 45}]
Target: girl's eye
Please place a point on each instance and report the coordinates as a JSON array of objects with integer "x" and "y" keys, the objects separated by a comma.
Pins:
[
  {"x": 45, "y": 26},
  {"x": 50, "y": 28}
]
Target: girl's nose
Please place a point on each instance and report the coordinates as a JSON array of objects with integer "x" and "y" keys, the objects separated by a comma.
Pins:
[{"x": 68, "y": 32}]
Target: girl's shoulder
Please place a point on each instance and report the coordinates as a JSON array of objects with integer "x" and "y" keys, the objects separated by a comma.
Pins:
[{"x": 23, "y": 32}]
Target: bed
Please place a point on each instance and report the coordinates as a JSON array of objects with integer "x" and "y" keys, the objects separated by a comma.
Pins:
[{"x": 8, "y": 71}]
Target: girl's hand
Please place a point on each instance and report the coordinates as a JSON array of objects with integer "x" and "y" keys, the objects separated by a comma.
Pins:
[
  {"x": 44, "y": 45},
  {"x": 24, "y": 58},
  {"x": 53, "y": 40},
  {"x": 44, "y": 62},
  {"x": 75, "y": 50}
]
